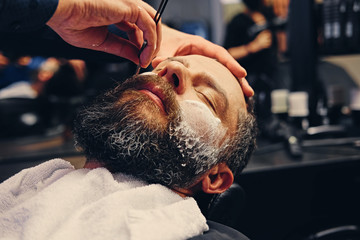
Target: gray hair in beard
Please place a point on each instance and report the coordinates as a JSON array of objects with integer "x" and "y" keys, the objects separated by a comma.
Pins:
[{"x": 116, "y": 134}]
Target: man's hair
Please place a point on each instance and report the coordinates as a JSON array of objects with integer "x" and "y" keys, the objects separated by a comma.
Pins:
[{"x": 111, "y": 134}]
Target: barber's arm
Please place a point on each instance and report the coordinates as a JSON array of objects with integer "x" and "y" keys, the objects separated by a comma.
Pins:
[
  {"x": 84, "y": 24},
  {"x": 176, "y": 43}
]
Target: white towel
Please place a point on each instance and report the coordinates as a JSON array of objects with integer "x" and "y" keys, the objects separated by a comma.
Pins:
[{"x": 55, "y": 201}]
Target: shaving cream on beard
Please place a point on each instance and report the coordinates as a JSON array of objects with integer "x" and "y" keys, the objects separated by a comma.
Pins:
[{"x": 198, "y": 117}]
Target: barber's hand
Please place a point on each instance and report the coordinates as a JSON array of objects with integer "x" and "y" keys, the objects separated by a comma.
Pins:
[
  {"x": 176, "y": 43},
  {"x": 83, "y": 23}
]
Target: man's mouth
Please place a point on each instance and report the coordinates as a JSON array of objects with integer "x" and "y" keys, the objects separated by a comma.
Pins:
[{"x": 155, "y": 94}]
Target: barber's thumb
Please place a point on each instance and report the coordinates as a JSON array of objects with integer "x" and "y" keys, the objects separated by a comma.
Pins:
[{"x": 156, "y": 61}]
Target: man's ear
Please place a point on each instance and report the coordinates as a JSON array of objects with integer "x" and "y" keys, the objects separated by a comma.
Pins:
[{"x": 218, "y": 179}]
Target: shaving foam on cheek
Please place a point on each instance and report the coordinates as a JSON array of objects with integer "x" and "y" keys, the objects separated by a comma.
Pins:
[{"x": 201, "y": 120}]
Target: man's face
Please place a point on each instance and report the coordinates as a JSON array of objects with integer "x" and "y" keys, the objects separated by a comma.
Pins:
[
  {"x": 168, "y": 126},
  {"x": 205, "y": 90},
  {"x": 208, "y": 95}
]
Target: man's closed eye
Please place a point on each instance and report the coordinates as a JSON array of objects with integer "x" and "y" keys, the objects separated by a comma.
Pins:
[{"x": 207, "y": 100}]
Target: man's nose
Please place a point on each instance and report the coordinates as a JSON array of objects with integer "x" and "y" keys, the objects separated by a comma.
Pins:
[{"x": 177, "y": 75}]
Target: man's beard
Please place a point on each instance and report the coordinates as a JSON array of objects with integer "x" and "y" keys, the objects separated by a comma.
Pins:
[{"x": 127, "y": 132}]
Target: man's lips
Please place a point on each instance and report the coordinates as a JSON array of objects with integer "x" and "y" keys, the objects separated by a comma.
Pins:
[{"x": 155, "y": 94}]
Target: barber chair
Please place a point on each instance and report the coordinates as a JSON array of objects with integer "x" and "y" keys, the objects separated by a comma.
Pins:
[
  {"x": 224, "y": 208},
  {"x": 348, "y": 232},
  {"x": 331, "y": 232}
]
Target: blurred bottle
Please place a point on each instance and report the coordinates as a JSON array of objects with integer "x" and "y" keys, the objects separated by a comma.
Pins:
[
  {"x": 338, "y": 25},
  {"x": 341, "y": 25},
  {"x": 299, "y": 110},
  {"x": 352, "y": 26},
  {"x": 355, "y": 106},
  {"x": 285, "y": 130},
  {"x": 279, "y": 103},
  {"x": 327, "y": 24},
  {"x": 335, "y": 103}
]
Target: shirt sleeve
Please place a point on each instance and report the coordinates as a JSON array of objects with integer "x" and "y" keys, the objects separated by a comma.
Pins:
[{"x": 25, "y": 15}]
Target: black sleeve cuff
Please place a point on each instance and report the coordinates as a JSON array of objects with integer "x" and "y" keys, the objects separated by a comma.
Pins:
[{"x": 25, "y": 15}]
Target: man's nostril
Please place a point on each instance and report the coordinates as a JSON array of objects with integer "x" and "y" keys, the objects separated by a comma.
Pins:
[{"x": 176, "y": 80}]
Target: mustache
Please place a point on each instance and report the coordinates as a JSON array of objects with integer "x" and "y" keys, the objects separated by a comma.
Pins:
[
  {"x": 148, "y": 81},
  {"x": 137, "y": 82}
]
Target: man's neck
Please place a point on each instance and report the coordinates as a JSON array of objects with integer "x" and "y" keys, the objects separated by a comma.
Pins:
[
  {"x": 92, "y": 165},
  {"x": 182, "y": 192},
  {"x": 188, "y": 192}
]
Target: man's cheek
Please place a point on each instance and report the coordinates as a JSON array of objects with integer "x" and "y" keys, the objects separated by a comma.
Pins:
[{"x": 200, "y": 119}]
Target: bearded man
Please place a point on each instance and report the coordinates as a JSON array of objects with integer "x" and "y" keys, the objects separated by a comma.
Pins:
[{"x": 151, "y": 144}]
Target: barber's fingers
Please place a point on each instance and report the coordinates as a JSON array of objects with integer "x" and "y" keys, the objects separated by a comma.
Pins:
[
  {"x": 112, "y": 44},
  {"x": 152, "y": 34},
  {"x": 83, "y": 23},
  {"x": 134, "y": 34},
  {"x": 206, "y": 48},
  {"x": 247, "y": 89},
  {"x": 234, "y": 67},
  {"x": 151, "y": 49},
  {"x": 237, "y": 70},
  {"x": 139, "y": 27},
  {"x": 211, "y": 50},
  {"x": 121, "y": 47},
  {"x": 179, "y": 44},
  {"x": 157, "y": 61}
]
